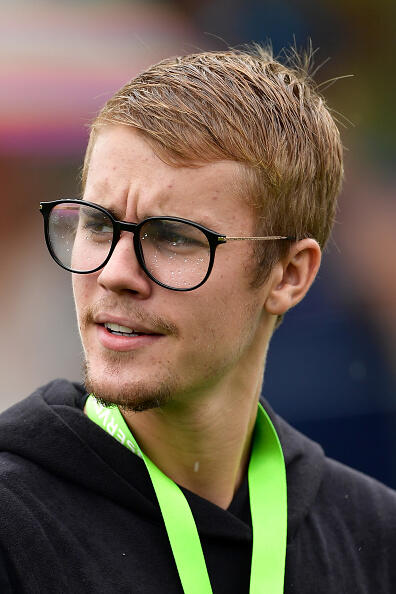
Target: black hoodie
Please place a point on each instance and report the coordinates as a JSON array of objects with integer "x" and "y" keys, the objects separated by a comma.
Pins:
[{"x": 78, "y": 514}]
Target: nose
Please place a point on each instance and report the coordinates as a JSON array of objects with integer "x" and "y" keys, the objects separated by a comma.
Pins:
[{"x": 123, "y": 272}]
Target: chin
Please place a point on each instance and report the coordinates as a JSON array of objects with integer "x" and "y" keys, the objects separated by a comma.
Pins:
[{"x": 130, "y": 394}]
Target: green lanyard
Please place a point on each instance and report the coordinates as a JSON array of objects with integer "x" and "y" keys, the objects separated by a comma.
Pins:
[{"x": 268, "y": 505}]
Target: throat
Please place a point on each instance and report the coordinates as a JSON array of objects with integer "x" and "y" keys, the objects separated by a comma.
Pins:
[{"x": 210, "y": 462}]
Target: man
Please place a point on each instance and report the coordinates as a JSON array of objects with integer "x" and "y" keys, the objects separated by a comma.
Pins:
[{"x": 210, "y": 185}]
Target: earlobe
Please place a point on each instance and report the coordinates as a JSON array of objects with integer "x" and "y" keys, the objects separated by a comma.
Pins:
[{"x": 292, "y": 277}]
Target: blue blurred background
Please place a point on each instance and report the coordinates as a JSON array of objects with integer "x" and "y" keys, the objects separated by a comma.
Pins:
[{"x": 332, "y": 365}]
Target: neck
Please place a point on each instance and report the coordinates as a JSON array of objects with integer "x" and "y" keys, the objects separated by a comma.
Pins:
[{"x": 206, "y": 438}]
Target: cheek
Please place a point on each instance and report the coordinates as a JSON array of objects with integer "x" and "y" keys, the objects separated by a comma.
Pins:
[
  {"x": 83, "y": 285},
  {"x": 236, "y": 311},
  {"x": 218, "y": 319}
]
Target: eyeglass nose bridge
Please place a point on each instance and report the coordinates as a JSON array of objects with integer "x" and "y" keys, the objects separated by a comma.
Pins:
[
  {"x": 134, "y": 228},
  {"x": 119, "y": 226},
  {"x": 124, "y": 226}
]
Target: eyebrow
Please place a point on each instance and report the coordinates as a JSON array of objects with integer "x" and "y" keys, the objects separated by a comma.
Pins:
[
  {"x": 113, "y": 211},
  {"x": 116, "y": 213},
  {"x": 103, "y": 191}
]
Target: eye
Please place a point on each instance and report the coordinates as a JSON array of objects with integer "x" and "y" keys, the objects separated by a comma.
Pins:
[
  {"x": 173, "y": 235},
  {"x": 98, "y": 227},
  {"x": 175, "y": 239},
  {"x": 95, "y": 222}
]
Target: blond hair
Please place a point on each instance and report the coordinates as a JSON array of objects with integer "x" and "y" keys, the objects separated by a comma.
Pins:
[{"x": 244, "y": 106}]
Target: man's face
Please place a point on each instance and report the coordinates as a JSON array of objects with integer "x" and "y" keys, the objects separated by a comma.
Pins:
[{"x": 188, "y": 342}]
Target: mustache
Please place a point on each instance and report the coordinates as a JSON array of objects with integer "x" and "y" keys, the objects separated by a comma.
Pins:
[{"x": 156, "y": 323}]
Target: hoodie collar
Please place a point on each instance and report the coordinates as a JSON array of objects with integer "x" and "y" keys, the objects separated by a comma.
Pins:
[{"x": 50, "y": 429}]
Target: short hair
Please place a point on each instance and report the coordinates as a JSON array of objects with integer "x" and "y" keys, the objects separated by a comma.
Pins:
[{"x": 244, "y": 106}]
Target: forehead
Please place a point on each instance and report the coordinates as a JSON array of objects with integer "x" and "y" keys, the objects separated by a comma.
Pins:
[{"x": 126, "y": 176}]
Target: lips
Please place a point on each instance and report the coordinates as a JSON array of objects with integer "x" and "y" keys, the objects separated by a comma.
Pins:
[
  {"x": 120, "y": 334},
  {"x": 115, "y": 324},
  {"x": 131, "y": 341}
]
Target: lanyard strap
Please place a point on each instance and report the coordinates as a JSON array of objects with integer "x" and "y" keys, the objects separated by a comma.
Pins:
[{"x": 268, "y": 505}]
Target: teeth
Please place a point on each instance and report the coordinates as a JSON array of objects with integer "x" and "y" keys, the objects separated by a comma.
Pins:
[{"x": 118, "y": 328}]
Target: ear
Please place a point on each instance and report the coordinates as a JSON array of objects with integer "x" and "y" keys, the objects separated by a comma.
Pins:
[{"x": 292, "y": 277}]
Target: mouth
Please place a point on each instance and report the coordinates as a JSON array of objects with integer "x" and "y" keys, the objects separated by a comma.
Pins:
[{"x": 117, "y": 337}]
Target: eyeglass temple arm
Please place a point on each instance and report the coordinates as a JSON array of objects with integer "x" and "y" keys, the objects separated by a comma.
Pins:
[{"x": 267, "y": 238}]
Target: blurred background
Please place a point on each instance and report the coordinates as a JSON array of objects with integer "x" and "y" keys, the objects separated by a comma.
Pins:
[{"x": 332, "y": 365}]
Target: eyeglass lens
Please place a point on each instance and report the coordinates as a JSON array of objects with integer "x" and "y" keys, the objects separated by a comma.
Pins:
[{"x": 175, "y": 253}]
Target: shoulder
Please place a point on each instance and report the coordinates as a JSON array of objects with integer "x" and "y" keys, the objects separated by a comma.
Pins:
[
  {"x": 351, "y": 530},
  {"x": 319, "y": 483},
  {"x": 365, "y": 505},
  {"x": 24, "y": 486},
  {"x": 341, "y": 523},
  {"x": 344, "y": 539},
  {"x": 34, "y": 439}
]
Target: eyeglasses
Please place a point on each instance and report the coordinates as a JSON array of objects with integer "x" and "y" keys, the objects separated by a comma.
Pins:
[{"x": 175, "y": 253}]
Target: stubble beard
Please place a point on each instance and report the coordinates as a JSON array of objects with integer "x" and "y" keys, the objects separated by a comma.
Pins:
[{"x": 136, "y": 396}]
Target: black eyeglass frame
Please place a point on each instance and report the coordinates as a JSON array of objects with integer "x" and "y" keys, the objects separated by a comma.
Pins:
[{"x": 213, "y": 238}]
